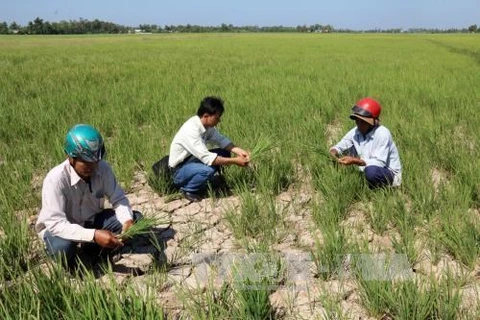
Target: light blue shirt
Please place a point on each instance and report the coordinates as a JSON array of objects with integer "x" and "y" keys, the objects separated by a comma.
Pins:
[{"x": 376, "y": 148}]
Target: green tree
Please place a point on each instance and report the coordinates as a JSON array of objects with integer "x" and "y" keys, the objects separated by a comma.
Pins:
[
  {"x": 473, "y": 28},
  {"x": 3, "y": 28},
  {"x": 226, "y": 28},
  {"x": 14, "y": 27},
  {"x": 35, "y": 27}
]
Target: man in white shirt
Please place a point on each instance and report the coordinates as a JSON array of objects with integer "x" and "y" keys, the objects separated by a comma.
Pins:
[
  {"x": 370, "y": 146},
  {"x": 73, "y": 197},
  {"x": 191, "y": 163}
]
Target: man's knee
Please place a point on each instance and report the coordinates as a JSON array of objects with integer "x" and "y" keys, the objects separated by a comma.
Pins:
[
  {"x": 203, "y": 171},
  {"x": 137, "y": 215},
  {"x": 205, "y": 175},
  {"x": 377, "y": 176},
  {"x": 200, "y": 179},
  {"x": 371, "y": 173},
  {"x": 57, "y": 246},
  {"x": 209, "y": 171}
]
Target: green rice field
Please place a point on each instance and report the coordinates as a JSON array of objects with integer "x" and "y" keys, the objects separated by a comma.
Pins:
[{"x": 296, "y": 91}]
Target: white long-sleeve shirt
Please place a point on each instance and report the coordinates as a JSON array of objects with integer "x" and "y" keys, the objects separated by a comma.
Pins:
[
  {"x": 68, "y": 201},
  {"x": 376, "y": 148},
  {"x": 192, "y": 139}
]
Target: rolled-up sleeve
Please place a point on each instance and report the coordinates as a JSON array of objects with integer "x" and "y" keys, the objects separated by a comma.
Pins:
[
  {"x": 346, "y": 143},
  {"x": 218, "y": 138}
]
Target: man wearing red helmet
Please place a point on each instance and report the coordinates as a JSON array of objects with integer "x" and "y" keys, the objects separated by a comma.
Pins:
[{"x": 370, "y": 146}]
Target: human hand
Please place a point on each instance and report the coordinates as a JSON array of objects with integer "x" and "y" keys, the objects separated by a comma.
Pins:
[
  {"x": 242, "y": 161},
  {"x": 127, "y": 225},
  {"x": 347, "y": 160},
  {"x": 106, "y": 239},
  {"x": 334, "y": 153},
  {"x": 242, "y": 153}
]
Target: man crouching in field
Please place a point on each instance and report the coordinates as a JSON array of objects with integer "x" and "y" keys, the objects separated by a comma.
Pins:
[
  {"x": 370, "y": 147},
  {"x": 72, "y": 200},
  {"x": 191, "y": 163}
]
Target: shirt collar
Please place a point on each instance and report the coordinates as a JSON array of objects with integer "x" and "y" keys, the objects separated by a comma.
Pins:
[
  {"x": 200, "y": 124},
  {"x": 369, "y": 135},
  {"x": 74, "y": 177}
]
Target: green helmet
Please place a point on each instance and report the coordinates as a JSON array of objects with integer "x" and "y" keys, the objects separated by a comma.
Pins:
[{"x": 84, "y": 142}]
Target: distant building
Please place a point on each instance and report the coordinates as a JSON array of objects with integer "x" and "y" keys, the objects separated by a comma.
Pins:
[{"x": 141, "y": 31}]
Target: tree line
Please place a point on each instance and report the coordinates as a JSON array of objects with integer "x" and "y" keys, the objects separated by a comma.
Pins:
[{"x": 84, "y": 26}]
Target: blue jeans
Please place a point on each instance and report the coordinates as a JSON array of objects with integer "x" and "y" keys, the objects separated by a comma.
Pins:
[
  {"x": 105, "y": 220},
  {"x": 193, "y": 175},
  {"x": 378, "y": 177}
]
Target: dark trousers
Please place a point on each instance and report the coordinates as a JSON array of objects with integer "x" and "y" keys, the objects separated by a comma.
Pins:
[
  {"x": 105, "y": 220},
  {"x": 378, "y": 177}
]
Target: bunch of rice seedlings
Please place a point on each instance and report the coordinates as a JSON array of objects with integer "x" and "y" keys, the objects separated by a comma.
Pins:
[
  {"x": 325, "y": 154},
  {"x": 263, "y": 145},
  {"x": 322, "y": 152},
  {"x": 142, "y": 226}
]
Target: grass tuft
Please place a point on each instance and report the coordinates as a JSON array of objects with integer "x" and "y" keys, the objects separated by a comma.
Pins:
[{"x": 143, "y": 226}]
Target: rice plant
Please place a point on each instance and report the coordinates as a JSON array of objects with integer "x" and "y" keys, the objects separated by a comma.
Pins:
[
  {"x": 245, "y": 296},
  {"x": 339, "y": 188},
  {"x": 260, "y": 219},
  {"x": 15, "y": 241},
  {"x": 462, "y": 241},
  {"x": 142, "y": 226},
  {"x": 52, "y": 294},
  {"x": 410, "y": 298},
  {"x": 261, "y": 147},
  {"x": 331, "y": 255},
  {"x": 280, "y": 99}
]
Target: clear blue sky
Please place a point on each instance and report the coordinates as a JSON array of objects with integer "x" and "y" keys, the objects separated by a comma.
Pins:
[{"x": 352, "y": 14}]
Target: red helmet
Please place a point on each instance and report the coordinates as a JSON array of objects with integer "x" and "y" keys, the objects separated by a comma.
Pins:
[{"x": 367, "y": 107}]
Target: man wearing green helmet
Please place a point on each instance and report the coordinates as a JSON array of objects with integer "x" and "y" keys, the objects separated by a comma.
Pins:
[{"x": 73, "y": 197}]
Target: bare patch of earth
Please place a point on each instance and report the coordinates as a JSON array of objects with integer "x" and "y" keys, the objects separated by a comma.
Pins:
[{"x": 198, "y": 250}]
